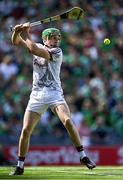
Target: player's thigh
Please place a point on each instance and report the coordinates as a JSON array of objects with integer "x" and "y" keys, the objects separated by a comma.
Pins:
[
  {"x": 30, "y": 120},
  {"x": 63, "y": 112}
]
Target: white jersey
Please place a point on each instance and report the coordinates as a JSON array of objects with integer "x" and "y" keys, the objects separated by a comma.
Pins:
[{"x": 46, "y": 73}]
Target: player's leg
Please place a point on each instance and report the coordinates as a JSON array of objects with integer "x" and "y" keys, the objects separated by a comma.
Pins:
[
  {"x": 29, "y": 122},
  {"x": 63, "y": 113}
]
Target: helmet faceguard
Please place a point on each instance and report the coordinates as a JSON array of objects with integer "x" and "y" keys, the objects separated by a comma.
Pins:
[{"x": 50, "y": 32}]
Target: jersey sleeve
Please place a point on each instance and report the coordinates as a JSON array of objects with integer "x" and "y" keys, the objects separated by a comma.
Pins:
[
  {"x": 56, "y": 53},
  {"x": 39, "y": 45}
]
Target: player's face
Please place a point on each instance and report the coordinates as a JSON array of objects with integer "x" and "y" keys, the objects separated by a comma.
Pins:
[{"x": 53, "y": 41}]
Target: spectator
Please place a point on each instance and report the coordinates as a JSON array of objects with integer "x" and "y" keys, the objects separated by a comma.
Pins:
[{"x": 100, "y": 132}]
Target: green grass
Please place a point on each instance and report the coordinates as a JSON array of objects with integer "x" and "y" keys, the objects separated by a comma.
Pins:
[{"x": 65, "y": 173}]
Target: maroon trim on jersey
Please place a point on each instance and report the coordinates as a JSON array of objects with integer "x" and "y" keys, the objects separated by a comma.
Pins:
[
  {"x": 56, "y": 51},
  {"x": 51, "y": 58}
]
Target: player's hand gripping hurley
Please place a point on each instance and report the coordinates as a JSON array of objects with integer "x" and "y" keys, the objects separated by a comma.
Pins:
[{"x": 76, "y": 13}]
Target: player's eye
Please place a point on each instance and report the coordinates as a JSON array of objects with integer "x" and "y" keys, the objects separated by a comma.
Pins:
[{"x": 57, "y": 38}]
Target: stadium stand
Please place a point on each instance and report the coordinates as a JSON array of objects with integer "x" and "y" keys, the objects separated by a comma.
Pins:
[{"x": 93, "y": 72}]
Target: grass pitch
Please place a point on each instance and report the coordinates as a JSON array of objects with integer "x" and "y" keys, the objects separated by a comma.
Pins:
[{"x": 65, "y": 173}]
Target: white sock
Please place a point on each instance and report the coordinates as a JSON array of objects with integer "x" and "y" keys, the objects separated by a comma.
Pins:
[
  {"x": 82, "y": 154},
  {"x": 20, "y": 164}
]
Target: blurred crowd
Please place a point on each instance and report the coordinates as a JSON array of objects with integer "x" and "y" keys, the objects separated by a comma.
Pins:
[{"x": 91, "y": 71}]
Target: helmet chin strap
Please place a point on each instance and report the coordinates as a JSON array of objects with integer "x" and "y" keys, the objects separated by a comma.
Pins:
[{"x": 51, "y": 46}]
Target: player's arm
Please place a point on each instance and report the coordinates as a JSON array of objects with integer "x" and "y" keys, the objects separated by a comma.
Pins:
[
  {"x": 16, "y": 37},
  {"x": 19, "y": 39},
  {"x": 35, "y": 50}
]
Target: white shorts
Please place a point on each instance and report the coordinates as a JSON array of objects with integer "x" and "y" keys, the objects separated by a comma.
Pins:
[{"x": 40, "y": 101}]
